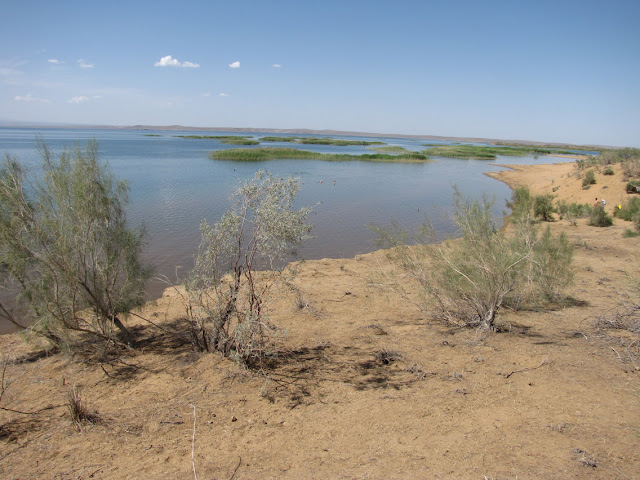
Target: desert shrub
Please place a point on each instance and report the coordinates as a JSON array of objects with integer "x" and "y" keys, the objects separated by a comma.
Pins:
[
  {"x": 472, "y": 277},
  {"x": 631, "y": 168},
  {"x": 599, "y": 217},
  {"x": 522, "y": 203},
  {"x": 609, "y": 171},
  {"x": 573, "y": 211},
  {"x": 69, "y": 261},
  {"x": 543, "y": 207},
  {"x": 630, "y": 209},
  {"x": 633, "y": 186},
  {"x": 589, "y": 179},
  {"x": 225, "y": 292}
]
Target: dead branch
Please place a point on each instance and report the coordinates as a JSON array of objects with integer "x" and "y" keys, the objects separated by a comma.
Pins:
[{"x": 544, "y": 362}]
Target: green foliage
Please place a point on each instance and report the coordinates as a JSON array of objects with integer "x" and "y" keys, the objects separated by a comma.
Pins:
[
  {"x": 543, "y": 207},
  {"x": 573, "y": 211},
  {"x": 273, "y": 153},
  {"x": 225, "y": 293},
  {"x": 609, "y": 171},
  {"x": 599, "y": 217},
  {"x": 472, "y": 277},
  {"x": 630, "y": 209},
  {"x": 589, "y": 179},
  {"x": 67, "y": 255},
  {"x": 395, "y": 150},
  {"x": 521, "y": 203},
  {"x": 524, "y": 205}
]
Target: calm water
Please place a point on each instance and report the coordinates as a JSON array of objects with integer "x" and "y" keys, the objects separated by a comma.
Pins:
[{"x": 173, "y": 186}]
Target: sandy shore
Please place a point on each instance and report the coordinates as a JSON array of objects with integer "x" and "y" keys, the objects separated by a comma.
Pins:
[{"x": 549, "y": 396}]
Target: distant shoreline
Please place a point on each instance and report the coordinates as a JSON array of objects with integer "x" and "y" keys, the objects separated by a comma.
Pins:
[{"x": 290, "y": 131}]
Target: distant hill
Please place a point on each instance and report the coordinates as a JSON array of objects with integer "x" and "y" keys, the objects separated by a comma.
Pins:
[{"x": 291, "y": 131}]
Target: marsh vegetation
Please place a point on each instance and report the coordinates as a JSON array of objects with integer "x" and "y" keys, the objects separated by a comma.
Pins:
[{"x": 273, "y": 153}]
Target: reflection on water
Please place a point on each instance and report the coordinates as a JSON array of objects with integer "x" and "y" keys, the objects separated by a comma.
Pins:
[{"x": 173, "y": 186}]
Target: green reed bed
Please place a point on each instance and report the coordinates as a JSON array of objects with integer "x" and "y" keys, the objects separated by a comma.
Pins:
[
  {"x": 482, "y": 152},
  {"x": 274, "y": 153},
  {"x": 319, "y": 141}
]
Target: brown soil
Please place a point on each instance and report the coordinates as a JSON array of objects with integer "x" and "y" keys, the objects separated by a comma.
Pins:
[{"x": 547, "y": 396}]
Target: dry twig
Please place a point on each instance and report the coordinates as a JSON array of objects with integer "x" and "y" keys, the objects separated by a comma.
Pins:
[{"x": 544, "y": 362}]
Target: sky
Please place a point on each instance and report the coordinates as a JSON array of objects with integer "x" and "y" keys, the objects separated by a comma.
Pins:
[{"x": 551, "y": 71}]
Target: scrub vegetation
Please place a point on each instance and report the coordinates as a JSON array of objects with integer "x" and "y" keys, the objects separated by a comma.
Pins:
[
  {"x": 226, "y": 296},
  {"x": 70, "y": 264},
  {"x": 471, "y": 278}
]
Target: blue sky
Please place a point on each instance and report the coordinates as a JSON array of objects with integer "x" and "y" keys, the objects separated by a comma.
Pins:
[{"x": 566, "y": 71}]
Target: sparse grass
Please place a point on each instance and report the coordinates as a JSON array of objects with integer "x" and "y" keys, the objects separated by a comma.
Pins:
[
  {"x": 80, "y": 415},
  {"x": 272, "y": 153}
]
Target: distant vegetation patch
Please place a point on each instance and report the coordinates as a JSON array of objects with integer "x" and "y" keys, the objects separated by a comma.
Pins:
[
  {"x": 482, "y": 152},
  {"x": 273, "y": 153},
  {"x": 319, "y": 141},
  {"x": 227, "y": 139},
  {"x": 151, "y": 135},
  {"x": 394, "y": 150}
]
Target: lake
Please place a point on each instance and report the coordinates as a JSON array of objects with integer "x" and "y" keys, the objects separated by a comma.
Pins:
[{"x": 174, "y": 185}]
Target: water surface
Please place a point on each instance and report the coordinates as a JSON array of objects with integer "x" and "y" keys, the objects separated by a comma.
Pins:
[{"x": 174, "y": 185}]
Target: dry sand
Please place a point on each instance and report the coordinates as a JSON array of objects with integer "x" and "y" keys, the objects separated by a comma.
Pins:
[{"x": 547, "y": 397}]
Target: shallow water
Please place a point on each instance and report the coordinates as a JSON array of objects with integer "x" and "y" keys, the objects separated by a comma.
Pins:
[{"x": 173, "y": 186}]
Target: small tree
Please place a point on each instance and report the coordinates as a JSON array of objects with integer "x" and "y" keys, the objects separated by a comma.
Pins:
[
  {"x": 68, "y": 260},
  {"x": 226, "y": 294}
]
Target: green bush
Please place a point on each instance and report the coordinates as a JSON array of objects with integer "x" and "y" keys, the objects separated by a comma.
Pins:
[
  {"x": 522, "y": 203},
  {"x": 572, "y": 211},
  {"x": 543, "y": 207},
  {"x": 589, "y": 179},
  {"x": 629, "y": 210},
  {"x": 68, "y": 256},
  {"x": 633, "y": 186},
  {"x": 599, "y": 217},
  {"x": 609, "y": 171}
]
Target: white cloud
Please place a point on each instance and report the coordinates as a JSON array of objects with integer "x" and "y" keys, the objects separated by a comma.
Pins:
[
  {"x": 234, "y": 65},
  {"x": 55, "y": 61},
  {"x": 276, "y": 65},
  {"x": 222, "y": 94},
  {"x": 169, "y": 61},
  {"x": 84, "y": 64},
  {"x": 30, "y": 99},
  {"x": 80, "y": 99},
  {"x": 207, "y": 94}
]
